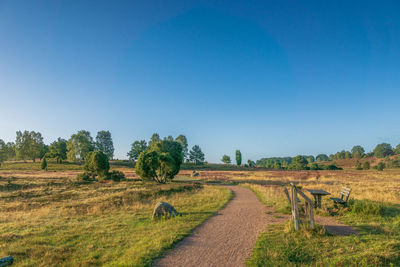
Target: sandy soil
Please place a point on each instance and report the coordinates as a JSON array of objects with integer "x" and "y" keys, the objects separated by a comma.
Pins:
[{"x": 226, "y": 239}]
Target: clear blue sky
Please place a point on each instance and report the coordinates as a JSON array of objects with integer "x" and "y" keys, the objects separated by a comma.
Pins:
[{"x": 271, "y": 78}]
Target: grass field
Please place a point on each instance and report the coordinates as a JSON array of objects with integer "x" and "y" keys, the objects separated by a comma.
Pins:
[
  {"x": 48, "y": 219},
  {"x": 374, "y": 210}
]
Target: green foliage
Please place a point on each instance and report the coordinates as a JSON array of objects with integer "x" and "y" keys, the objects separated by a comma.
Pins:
[
  {"x": 58, "y": 150},
  {"x": 196, "y": 155},
  {"x": 3, "y": 151},
  {"x": 28, "y": 145},
  {"x": 357, "y": 152},
  {"x": 358, "y": 166},
  {"x": 251, "y": 163},
  {"x": 226, "y": 159},
  {"x": 395, "y": 163},
  {"x": 322, "y": 157},
  {"x": 332, "y": 167},
  {"x": 79, "y": 145},
  {"x": 299, "y": 163},
  {"x": 381, "y": 165},
  {"x": 184, "y": 143},
  {"x": 310, "y": 159},
  {"x": 275, "y": 161},
  {"x": 315, "y": 166},
  {"x": 96, "y": 164},
  {"x": 383, "y": 150},
  {"x": 85, "y": 177},
  {"x": 137, "y": 147},
  {"x": 154, "y": 138},
  {"x": 160, "y": 162},
  {"x": 366, "y": 207},
  {"x": 238, "y": 157},
  {"x": 341, "y": 155},
  {"x": 397, "y": 149},
  {"x": 366, "y": 165},
  {"x": 116, "y": 176},
  {"x": 43, "y": 165},
  {"x": 104, "y": 143}
]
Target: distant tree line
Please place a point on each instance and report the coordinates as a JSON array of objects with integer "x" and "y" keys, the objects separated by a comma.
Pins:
[{"x": 30, "y": 145}]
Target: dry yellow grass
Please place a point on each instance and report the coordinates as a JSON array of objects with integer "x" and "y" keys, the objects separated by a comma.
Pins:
[
  {"x": 48, "y": 219},
  {"x": 375, "y": 185}
]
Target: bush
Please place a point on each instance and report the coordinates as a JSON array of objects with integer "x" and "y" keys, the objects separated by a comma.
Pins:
[
  {"x": 97, "y": 164},
  {"x": 358, "y": 165},
  {"x": 380, "y": 166},
  {"x": 43, "y": 166},
  {"x": 85, "y": 177},
  {"x": 366, "y": 165},
  {"x": 332, "y": 167},
  {"x": 160, "y": 162},
  {"x": 314, "y": 166},
  {"x": 116, "y": 176}
]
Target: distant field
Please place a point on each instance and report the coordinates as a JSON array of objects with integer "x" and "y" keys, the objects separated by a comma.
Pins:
[{"x": 48, "y": 219}]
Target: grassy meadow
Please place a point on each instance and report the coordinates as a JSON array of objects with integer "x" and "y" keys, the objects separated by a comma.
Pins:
[
  {"x": 373, "y": 209},
  {"x": 50, "y": 219}
]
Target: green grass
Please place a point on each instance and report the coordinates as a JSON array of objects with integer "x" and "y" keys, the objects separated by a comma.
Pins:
[
  {"x": 377, "y": 245},
  {"x": 50, "y": 221}
]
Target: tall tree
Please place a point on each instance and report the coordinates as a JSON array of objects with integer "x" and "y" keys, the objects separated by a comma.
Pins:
[
  {"x": 28, "y": 144},
  {"x": 183, "y": 141},
  {"x": 104, "y": 143},
  {"x": 238, "y": 157},
  {"x": 357, "y": 152},
  {"x": 79, "y": 145},
  {"x": 161, "y": 162},
  {"x": 196, "y": 155},
  {"x": 3, "y": 151},
  {"x": 322, "y": 157},
  {"x": 137, "y": 147},
  {"x": 299, "y": 163},
  {"x": 154, "y": 138},
  {"x": 383, "y": 150},
  {"x": 58, "y": 150},
  {"x": 226, "y": 159}
]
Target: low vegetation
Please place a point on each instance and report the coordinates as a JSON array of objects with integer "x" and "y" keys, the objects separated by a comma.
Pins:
[{"x": 52, "y": 220}]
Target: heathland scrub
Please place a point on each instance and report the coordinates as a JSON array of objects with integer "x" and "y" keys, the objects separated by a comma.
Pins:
[
  {"x": 58, "y": 222},
  {"x": 378, "y": 243}
]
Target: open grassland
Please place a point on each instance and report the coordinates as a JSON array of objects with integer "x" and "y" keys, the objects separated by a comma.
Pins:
[
  {"x": 381, "y": 186},
  {"x": 49, "y": 219},
  {"x": 374, "y": 210}
]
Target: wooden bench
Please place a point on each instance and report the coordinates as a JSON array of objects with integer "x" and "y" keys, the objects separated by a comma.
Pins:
[{"x": 344, "y": 196}]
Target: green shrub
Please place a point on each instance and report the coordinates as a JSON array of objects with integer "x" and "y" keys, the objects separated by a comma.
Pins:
[
  {"x": 315, "y": 166},
  {"x": 366, "y": 165},
  {"x": 85, "y": 177},
  {"x": 332, "y": 167},
  {"x": 116, "y": 176},
  {"x": 43, "y": 165},
  {"x": 366, "y": 207},
  {"x": 97, "y": 164},
  {"x": 380, "y": 166},
  {"x": 358, "y": 165}
]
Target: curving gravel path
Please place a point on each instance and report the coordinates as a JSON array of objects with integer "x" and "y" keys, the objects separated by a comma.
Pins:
[{"x": 226, "y": 239}]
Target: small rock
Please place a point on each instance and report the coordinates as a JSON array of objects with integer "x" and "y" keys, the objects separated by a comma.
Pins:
[
  {"x": 195, "y": 174},
  {"x": 164, "y": 209}
]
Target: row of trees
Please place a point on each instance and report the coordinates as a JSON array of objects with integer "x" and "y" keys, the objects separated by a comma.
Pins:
[
  {"x": 380, "y": 151},
  {"x": 30, "y": 145},
  {"x": 195, "y": 155}
]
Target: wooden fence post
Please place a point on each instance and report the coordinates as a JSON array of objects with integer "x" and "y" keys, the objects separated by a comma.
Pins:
[{"x": 295, "y": 210}]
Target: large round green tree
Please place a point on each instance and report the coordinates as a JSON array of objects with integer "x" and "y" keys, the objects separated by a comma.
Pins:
[{"x": 160, "y": 162}]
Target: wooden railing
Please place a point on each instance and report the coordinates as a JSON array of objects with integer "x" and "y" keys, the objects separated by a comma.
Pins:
[{"x": 294, "y": 201}]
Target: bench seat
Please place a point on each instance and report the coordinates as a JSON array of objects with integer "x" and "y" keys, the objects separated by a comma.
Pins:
[{"x": 338, "y": 200}]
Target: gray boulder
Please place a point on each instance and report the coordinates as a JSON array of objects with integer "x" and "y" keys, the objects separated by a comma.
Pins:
[{"x": 163, "y": 209}]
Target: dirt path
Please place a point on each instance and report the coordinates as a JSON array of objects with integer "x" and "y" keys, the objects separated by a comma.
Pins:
[{"x": 226, "y": 239}]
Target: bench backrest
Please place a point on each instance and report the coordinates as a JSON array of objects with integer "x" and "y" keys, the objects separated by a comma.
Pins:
[{"x": 345, "y": 193}]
